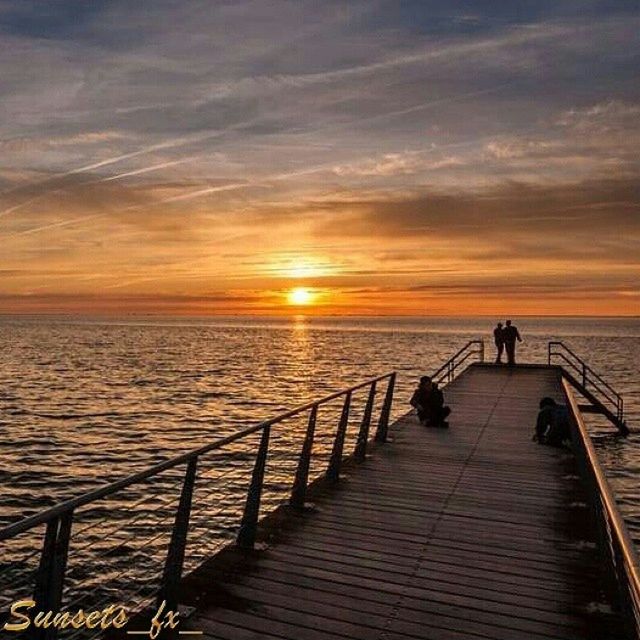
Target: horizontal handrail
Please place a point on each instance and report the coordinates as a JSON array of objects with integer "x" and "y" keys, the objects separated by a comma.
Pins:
[
  {"x": 588, "y": 377},
  {"x": 448, "y": 369},
  {"x": 582, "y": 363},
  {"x": 623, "y": 560},
  {"x": 59, "y": 519},
  {"x": 578, "y": 370},
  {"x": 109, "y": 489}
]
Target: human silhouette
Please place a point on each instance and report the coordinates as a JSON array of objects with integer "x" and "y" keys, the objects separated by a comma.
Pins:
[
  {"x": 428, "y": 401},
  {"x": 511, "y": 334},
  {"x": 498, "y": 336},
  {"x": 552, "y": 424}
]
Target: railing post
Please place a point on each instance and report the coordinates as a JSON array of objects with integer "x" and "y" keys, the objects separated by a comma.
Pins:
[
  {"x": 299, "y": 491},
  {"x": 383, "y": 422},
  {"x": 549, "y": 353},
  {"x": 482, "y": 351},
  {"x": 248, "y": 528},
  {"x": 51, "y": 571},
  {"x": 363, "y": 435},
  {"x": 335, "y": 462},
  {"x": 175, "y": 554},
  {"x": 584, "y": 375}
]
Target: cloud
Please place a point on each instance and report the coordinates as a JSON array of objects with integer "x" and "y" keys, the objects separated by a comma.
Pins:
[
  {"x": 24, "y": 144},
  {"x": 602, "y": 117},
  {"x": 381, "y": 137},
  {"x": 508, "y": 149},
  {"x": 568, "y": 219},
  {"x": 391, "y": 164},
  {"x": 136, "y": 304}
]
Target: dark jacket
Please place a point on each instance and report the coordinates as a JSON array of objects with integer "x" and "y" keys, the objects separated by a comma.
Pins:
[
  {"x": 427, "y": 397},
  {"x": 552, "y": 426},
  {"x": 421, "y": 397},
  {"x": 510, "y": 335}
]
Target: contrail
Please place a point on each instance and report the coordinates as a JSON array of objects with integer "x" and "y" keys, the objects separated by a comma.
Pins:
[
  {"x": 186, "y": 140},
  {"x": 60, "y": 176},
  {"x": 515, "y": 37},
  {"x": 435, "y": 103},
  {"x": 203, "y": 192},
  {"x": 187, "y": 196},
  {"x": 179, "y": 198},
  {"x": 512, "y": 37},
  {"x": 167, "y": 144},
  {"x": 97, "y": 165},
  {"x": 118, "y": 176},
  {"x": 155, "y": 167},
  {"x": 279, "y": 176},
  {"x": 6, "y": 212},
  {"x": 54, "y": 225}
]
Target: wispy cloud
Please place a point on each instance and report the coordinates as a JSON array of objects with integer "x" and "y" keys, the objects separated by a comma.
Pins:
[{"x": 135, "y": 139}]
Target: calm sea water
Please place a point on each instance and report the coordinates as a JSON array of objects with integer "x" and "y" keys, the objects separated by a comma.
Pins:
[{"x": 84, "y": 402}]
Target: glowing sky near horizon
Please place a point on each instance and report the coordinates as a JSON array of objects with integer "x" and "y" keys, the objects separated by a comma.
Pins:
[{"x": 411, "y": 156}]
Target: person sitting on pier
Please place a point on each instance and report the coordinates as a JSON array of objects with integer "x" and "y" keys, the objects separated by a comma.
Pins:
[
  {"x": 428, "y": 400},
  {"x": 552, "y": 425},
  {"x": 498, "y": 337},
  {"x": 510, "y": 334}
]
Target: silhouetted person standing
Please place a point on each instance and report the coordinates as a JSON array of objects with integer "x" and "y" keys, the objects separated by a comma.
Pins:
[
  {"x": 498, "y": 336},
  {"x": 511, "y": 334}
]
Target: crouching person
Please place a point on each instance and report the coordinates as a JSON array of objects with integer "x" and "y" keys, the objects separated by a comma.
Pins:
[
  {"x": 552, "y": 425},
  {"x": 428, "y": 400}
]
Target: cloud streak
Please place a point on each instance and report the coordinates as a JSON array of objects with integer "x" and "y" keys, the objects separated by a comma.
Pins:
[{"x": 180, "y": 149}]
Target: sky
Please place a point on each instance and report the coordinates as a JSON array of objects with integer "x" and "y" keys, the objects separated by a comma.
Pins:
[{"x": 417, "y": 157}]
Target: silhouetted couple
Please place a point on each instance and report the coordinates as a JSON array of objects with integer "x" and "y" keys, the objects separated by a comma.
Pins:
[
  {"x": 505, "y": 339},
  {"x": 428, "y": 400}
]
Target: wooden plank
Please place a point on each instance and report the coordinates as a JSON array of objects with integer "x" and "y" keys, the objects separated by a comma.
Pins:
[
  {"x": 470, "y": 532},
  {"x": 464, "y": 550},
  {"x": 362, "y": 608},
  {"x": 362, "y": 620},
  {"x": 517, "y": 563}
]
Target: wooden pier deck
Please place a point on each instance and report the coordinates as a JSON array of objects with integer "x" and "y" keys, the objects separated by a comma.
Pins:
[{"x": 470, "y": 532}]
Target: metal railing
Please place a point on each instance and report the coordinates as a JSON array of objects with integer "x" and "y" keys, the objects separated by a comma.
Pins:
[
  {"x": 590, "y": 381},
  {"x": 59, "y": 520},
  {"x": 447, "y": 372},
  {"x": 620, "y": 556}
]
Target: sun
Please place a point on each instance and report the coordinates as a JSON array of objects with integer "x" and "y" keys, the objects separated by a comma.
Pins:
[{"x": 300, "y": 296}]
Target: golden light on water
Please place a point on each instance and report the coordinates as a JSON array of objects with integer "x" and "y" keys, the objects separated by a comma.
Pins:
[{"x": 300, "y": 296}]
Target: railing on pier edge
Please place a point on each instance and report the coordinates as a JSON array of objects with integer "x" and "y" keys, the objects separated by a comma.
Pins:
[
  {"x": 619, "y": 555},
  {"x": 621, "y": 560},
  {"x": 602, "y": 396},
  {"x": 59, "y": 520},
  {"x": 447, "y": 372}
]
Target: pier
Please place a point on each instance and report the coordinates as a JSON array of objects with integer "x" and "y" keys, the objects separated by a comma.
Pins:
[
  {"x": 471, "y": 531},
  {"x": 414, "y": 533}
]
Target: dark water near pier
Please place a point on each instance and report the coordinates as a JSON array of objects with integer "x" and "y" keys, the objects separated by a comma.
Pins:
[{"x": 84, "y": 402}]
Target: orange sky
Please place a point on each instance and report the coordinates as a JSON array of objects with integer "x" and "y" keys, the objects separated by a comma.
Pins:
[{"x": 391, "y": 160}]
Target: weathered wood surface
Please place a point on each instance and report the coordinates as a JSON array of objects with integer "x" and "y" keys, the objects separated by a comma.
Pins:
[{"x": 471, "y": 532}]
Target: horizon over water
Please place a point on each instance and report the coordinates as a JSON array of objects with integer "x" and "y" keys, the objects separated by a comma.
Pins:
[{"x": 88, "y": 400}]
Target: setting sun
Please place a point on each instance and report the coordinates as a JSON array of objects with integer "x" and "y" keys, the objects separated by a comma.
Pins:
[{"x": 300, "y": 296}]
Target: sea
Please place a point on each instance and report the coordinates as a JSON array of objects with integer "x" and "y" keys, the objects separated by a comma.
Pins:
[{"x": 87, "y": 401}]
